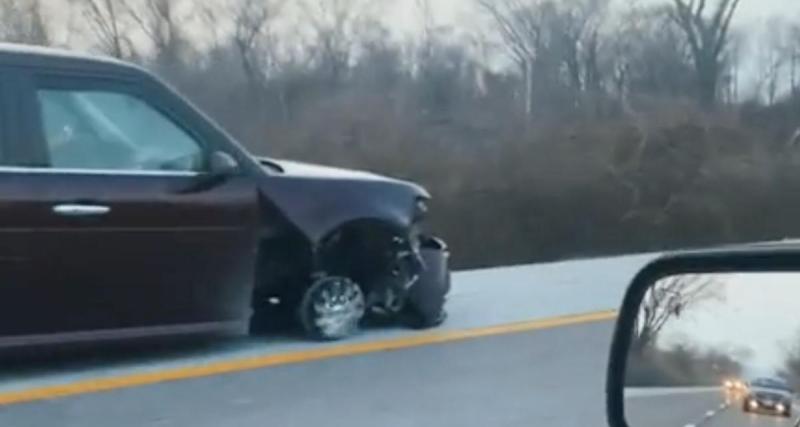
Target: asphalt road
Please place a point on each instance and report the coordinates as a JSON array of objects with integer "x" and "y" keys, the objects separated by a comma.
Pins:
[
  {"x": 735, "y": 417},
  {"x": 674, "y": 410},
  {"x": 699, "y": 409},
  {"x": 552, "y": 377}
]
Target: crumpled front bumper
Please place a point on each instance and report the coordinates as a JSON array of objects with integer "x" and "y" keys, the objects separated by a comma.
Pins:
[{"x": 428, "y": 295}]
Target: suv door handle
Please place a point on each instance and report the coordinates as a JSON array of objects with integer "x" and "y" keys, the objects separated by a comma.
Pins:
[{"x": 70, "y": 209}]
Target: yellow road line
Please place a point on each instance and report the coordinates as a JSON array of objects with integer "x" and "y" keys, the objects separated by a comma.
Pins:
[{"x": 243, "y": 364}]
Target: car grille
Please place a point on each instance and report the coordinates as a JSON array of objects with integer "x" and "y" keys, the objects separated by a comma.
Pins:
[{"x": 769, "y": 397}]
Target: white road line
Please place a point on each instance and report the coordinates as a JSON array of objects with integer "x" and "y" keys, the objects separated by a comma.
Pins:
[{"x": 709, "y": 415}]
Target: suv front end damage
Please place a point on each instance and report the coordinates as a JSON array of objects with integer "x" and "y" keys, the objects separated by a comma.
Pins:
[
  {"x": 426, "y": 299},
  {"x": 414, "y": 285},
  {"x": 355, "y": 249}
]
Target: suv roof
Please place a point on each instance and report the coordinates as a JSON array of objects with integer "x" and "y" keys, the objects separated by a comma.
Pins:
[{"x": 28, "y": 55}]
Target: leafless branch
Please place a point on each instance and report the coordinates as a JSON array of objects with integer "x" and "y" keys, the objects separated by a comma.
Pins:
[
  {"x": 252, "y": 31},
  {"x": 668, "y": 299},
  {"x": 106, "y": 22}
]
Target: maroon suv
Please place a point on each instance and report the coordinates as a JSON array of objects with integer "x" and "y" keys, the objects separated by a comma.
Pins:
[{"x": 125, "y": 212}]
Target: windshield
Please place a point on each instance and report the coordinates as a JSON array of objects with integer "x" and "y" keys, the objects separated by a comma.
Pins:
[
  {"x": 771, "y": 384},
  {"x": 386, "y": 212}
]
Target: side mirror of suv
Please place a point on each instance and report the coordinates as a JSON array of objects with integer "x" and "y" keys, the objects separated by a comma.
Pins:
[{"x": 222, "y": 164}]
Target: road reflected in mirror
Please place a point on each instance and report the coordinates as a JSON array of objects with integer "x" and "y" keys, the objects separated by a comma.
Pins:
[{"x": 716, "y": 350}]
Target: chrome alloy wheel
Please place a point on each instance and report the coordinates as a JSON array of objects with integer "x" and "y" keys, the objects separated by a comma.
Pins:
[{"x": 332, "y": 308}]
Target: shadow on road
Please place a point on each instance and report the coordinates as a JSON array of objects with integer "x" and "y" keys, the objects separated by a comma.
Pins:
[{"x": 19, "y": 363}]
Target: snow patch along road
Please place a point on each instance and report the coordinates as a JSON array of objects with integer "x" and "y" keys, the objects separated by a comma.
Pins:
[{"x": 505, "y": 295}]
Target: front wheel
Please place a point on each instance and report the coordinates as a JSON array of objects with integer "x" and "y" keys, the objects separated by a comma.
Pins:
[{"x": 332, "y": 308}]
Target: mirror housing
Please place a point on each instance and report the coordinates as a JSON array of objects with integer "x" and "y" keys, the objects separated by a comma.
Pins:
[
  {"x": 222, "y": 164},
  {"x": 770, "y": 258}
]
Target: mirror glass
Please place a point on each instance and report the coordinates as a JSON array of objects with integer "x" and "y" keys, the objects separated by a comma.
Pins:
[{"x": 718, "y": 349}]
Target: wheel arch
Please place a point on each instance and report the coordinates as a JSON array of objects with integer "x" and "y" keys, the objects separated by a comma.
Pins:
[{"x": 357, "y": 248}]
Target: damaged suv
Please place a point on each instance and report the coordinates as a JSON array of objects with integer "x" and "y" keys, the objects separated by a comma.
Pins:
[
  {"x": 128, "y": 213},
  {"x": 352, "y": 245}
]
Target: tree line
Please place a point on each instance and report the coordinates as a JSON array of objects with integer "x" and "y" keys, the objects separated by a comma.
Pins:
[{"x": 548, "y": 129}]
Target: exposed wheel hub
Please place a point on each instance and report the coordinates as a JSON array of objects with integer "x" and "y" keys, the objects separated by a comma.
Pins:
[{"x": 337, "y": 306}]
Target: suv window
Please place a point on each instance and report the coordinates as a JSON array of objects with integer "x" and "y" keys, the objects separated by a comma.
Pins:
[{"x": 113, "y": 131}]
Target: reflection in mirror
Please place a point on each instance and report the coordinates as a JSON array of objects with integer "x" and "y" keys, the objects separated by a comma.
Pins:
[{"x": 716, "y": 350}]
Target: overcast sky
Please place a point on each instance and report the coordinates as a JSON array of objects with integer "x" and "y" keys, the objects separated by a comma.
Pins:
[
  {"x": 403, "y": 17},
  {"x": 403, "y": 14}
]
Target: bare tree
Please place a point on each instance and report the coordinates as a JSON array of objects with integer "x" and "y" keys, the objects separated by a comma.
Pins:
[
  {"x": 106, "y": 20},
  {"x": 708, "y": 38},
  {"x": 780, "y": 46},
  {"x": 253, "y": 37},
  {"x": 553, "y": 44},
  {"x": 427, "y": 39},
  {"x": 771, "y": 63},
  {"x": 649, "y": 55},
  {"x": 335, "y": 26},
  {"x": 521, "y": 32},
  {"x": 668, "y": 299},
  {"x": 574, "y": 27},
  {"x": 21, "y": 21},
  {"x": 794, "y": 58},
  {"x": 162, "y": 24},
  {"x": 426, "y": 16}
]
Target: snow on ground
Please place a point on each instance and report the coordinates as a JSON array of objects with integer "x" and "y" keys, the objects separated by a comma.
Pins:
[{"x": 512, "y": 294}]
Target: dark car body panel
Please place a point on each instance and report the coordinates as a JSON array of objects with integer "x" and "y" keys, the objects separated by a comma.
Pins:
[
  {"x": 157, "y": 258},
  {"x": 433, "y": 285},
  {"x": 769, "y": 399},
  {"x": 163, "y": 258},
  {"x": 170, "y": 254},
  {"x": 334, "y": 197},
  {"x": 318, "y": 199},
  {"x": 769, "y": 393},
  {"x": 770, "y": 396}
]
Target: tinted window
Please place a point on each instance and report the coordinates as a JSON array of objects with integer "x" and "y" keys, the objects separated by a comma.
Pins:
[
  {"x": 771, "y": 383},
  {"x": 113, "y": 131}
]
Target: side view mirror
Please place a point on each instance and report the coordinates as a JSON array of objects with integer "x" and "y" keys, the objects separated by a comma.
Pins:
[
  {"x": 221, "y": 163},
  {"x": 221, "y": 166},
  {"x": 708, "y": 338}
]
